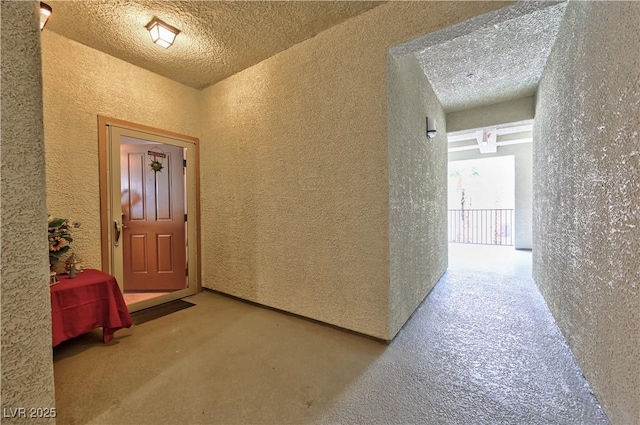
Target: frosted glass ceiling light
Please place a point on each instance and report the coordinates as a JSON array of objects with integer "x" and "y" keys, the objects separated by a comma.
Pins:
[
  {"x": 162, "y": 33},
  {"x": 45, "y": 12}
]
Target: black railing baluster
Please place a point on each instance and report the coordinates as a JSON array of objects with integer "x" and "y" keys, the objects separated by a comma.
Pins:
[{"x": 481, "y": 226}]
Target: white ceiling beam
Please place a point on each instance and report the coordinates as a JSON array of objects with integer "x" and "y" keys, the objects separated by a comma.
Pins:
[
  {"x": 486, "y": 138},
  {"x": 507, "y": 143},
  {"x": 463, "y": 148},
  {"x": 502, "y": 129},
  {"x": 515, "y": 129},
  {"x": 515, "y": 142},
  {"x": 460, "y": 137}
]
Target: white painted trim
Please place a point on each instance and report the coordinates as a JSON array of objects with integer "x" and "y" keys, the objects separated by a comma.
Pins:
[
  {"x": 479, "y": 135},
  {"x": 115, "y": 134},
  {"x": 515, "y": 142},
  {"x": 502, "y": 129},
  {"x": 463, "y": 148}
]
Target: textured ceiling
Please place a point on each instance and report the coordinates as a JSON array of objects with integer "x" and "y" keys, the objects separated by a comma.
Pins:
[
  {"x": 500, "y": 59},
  {"x": 217, "y": 39}
]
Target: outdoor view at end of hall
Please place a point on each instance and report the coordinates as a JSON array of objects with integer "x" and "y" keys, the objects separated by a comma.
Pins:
[{"x": 481, "y": 201}]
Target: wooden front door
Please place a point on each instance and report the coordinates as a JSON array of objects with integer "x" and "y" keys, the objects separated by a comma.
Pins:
[{"x": 153, "y": 217}]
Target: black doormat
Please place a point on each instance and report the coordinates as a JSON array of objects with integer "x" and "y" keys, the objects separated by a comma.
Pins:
[{"x": 142, "y": 316}]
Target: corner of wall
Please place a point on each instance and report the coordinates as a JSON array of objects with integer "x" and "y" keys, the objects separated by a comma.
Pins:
[
  {"x": 318, "y": 171},
  {"x": 27, "y": 365},
  {"x": 417, "y": 189},
  {"x": 80, "y": 83},
  {"x": 586, "y": 191}
]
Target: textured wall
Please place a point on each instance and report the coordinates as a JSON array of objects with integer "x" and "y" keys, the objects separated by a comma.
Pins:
[
  {"x": 295, "y": 197},
  {"x": 586, "y": 197},
  {"x": 417, "y": 189},
  {"x": 27, "y": 367},
  {"x": 523, "y": 159},
  {"x": 81, "y": 83},
  {"x": 498, "y": 113}
]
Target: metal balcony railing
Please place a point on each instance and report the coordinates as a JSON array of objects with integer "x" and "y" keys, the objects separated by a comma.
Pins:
[{"x": 487, "y": 227}]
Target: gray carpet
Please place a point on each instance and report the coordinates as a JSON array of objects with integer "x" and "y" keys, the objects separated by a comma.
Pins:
[{"x": 482, "y": 349}]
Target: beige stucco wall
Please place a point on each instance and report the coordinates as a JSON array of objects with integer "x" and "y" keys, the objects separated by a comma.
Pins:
[
  {"x": 295, "y": 200},
  {"x": 417, "y": 189},
  {"x": 27, "y": 366},
  {"x": 523, "y": 174},
  {"x": 587, "y": 197},
  {"x": 81, "y": 83},
  {"x": 497, "y": 113}
]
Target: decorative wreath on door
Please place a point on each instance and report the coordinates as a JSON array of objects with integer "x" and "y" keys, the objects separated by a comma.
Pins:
[{"x": 155, "y": 153}]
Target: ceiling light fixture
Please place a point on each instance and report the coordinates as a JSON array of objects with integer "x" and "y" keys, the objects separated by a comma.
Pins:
[
  {"x": 45, "y": 12},
  {"x": 162, "y": 33}
]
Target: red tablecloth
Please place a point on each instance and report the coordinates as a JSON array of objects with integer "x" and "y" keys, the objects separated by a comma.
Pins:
[{"x": 91, "y": 300}]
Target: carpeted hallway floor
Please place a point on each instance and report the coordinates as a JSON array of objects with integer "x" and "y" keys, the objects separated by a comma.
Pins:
[{"x": 482, "y": 349}]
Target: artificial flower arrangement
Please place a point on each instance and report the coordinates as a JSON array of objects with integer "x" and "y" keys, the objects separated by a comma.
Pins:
[
  {"x": 59, "y": 244},
  {"x": 59, "y": 238}
]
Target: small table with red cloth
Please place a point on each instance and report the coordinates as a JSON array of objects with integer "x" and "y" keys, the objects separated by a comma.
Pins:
[{"x": 91, "y": 300}]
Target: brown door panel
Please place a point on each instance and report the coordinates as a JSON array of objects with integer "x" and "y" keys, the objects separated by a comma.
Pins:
[{"x": 153, "y": 218}]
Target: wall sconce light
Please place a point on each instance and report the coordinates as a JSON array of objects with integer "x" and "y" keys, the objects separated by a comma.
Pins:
[
  {"x": 45, "y": 12},
  {"x": 162, "y": 33},
  {"x": 431, "y": 128}
]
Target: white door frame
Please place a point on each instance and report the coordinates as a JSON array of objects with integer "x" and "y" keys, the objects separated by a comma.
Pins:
[{"x": 110, "y": 131}]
